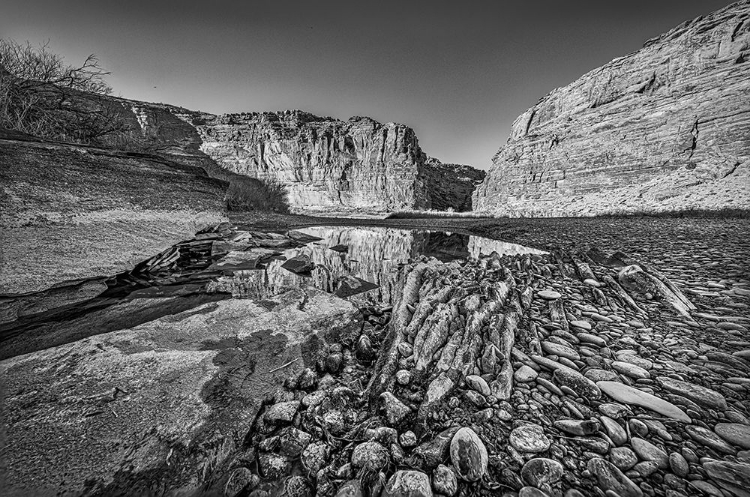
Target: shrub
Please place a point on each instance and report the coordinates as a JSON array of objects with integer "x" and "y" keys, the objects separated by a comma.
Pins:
[
  {"x": 42, "y": 96},
  {"x": 251, "y": 194}
]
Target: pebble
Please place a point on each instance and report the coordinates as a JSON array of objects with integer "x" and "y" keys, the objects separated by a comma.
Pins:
[
  {"x": 529, "y": 438},
  {"x": 597, "y": 375},
  {"x": 525, "y": 374},
  {"x": 584, "y": 325},
  {"x": 371, "y": 456},
  {"x": 734, "y": 433},
  {"x": 283, "y": 412},
  {"x": 611, "y": 478},
  {"x": 623, "y": 457},
  {"x": 614, "y": 430},
  {"x": 650, "y": 452},
  {"x": 479, "y": 384},
  {"x": 630, "y": 370},
  {"x": 678, "y": 464},
  {"x": 577, "y": 382},
  {"x": 444, "y": 480},
  {"x": 407, "y": 439},
  {"x": 403, "y": 377},
  {"x": 709, "y": 439},
  {"x": 577, "y": 427},
  {"x": 548, "y": 294},
  {"x": 629, "y": 395},
  {"x": 698, "y": 394},
  {"x": 560, "y": 350},
  {"x": 541, "y": 472},
  {"x": 468, "y": 455},
  {"x": 406, "y": 483},
  {"x": 731, "y": 476},
  {"x": 395, "y": 410}
]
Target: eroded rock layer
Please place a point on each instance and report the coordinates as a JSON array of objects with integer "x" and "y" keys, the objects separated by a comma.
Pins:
[
  {"x": 664, "y": 128},
  {"x": 326, "y": 163}
]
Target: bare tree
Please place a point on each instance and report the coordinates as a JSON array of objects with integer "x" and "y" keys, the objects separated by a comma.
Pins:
[{"x": 42, "y": 96}]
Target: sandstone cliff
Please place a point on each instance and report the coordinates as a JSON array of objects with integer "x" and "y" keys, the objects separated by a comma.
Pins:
[
  {"x": 72, "y": 212},
  {"x": 664, "y": 128},
  {"x": 327, "y": 163}
]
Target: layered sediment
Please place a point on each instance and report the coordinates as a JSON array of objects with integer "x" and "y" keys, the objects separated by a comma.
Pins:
[
  {"x": 664, "y": 128},
  {"x": 75, "y": 212},
  {"x": 325, "y": 163}
]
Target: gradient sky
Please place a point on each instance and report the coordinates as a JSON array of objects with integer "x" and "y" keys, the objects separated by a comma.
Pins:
[{"x": 458, "y": 72}]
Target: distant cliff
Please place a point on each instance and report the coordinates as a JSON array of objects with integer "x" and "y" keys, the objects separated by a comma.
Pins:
[
  {"x": 664, "y": 128},
  {"x": 326, "y": 163}
]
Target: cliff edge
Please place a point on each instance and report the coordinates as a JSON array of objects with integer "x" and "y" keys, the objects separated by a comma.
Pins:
[{"x": 664, "y": 128}]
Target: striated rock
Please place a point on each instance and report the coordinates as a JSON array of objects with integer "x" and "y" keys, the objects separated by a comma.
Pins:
[
  {"x": 655, "y": 130},
  {"x": 325, "y": 163}
]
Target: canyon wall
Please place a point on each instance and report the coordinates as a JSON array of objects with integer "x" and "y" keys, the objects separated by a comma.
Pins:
[
  {"x": 326, "y": 163},
  {"x": 664, "y": 128}
]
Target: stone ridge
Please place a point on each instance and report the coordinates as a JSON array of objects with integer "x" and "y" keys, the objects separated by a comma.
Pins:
[{"x": 663, "y": 128}]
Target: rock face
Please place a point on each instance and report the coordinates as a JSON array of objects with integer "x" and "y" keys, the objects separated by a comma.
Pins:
[
  {"x": 663, "y": 128},
  {"x": 72, "y": 212},
  {"x": 327, "y": 164}
]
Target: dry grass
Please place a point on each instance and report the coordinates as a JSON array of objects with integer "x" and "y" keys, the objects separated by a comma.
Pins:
[{"x": 434, "y": 214}]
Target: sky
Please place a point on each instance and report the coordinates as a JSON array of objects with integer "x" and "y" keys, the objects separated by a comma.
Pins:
[{"x": 458, "y": 72}]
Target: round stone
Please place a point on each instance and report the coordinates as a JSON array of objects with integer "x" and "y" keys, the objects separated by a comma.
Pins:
[
  {"x": 371, "y": 456},
  {"x": 525, "y": 374},
  {"x": 407, "y": 439},
  {"x": 541, "y": 472},
  {"x": 709, "y": 439},
  {"x": 623, "y": 457},
  {"x": 405, "y": 483},
  {"x": 584, "y": 325},
  {"x": 678, "y": 464},
  {"x": 615, "y": 432},
  {"x": 444, "y": 480},
  {"x": 468, "y": 455},
  {"x": 650, "y": 452},
  {"x": 529, "y": 438},
  {"x": 549, "y": 294},
  {"x": 403, "y": 377}
]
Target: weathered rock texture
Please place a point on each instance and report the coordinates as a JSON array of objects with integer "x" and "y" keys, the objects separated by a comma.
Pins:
[
  {"x": 71, "y": 212},
  {"x": 162, "y": 405},
  {"x": 664, "y": 128},
  {"x": 326, "y": 163}
]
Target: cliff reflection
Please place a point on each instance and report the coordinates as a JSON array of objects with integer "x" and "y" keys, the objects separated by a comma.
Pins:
[{"x": 370, "y": 254}]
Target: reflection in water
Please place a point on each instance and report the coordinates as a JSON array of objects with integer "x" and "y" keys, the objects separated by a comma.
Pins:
[{"x": 372, "y": 254}]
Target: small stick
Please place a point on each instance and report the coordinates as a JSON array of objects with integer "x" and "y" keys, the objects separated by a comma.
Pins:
[{"x": 284, "y": 365}]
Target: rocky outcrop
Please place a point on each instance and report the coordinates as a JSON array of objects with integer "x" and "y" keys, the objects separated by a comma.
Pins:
[
  {"x": 328, "y": 164},
  {"x": 72, "y": 212},
  {"x": 661, "y": 129},
  {"x": 451, "y": 185}
]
